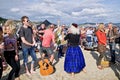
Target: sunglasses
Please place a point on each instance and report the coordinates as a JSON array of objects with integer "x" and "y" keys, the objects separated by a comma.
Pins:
[{"x": 28, "y": 21}]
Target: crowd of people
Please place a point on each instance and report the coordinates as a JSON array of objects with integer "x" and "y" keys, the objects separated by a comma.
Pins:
[{"x": 53, "y": 39}]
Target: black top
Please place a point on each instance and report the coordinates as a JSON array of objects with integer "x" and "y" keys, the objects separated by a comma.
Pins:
[
  {"x": 27, "y": 34},
  {"x": 41, "y": 29},
  {"x": 73, "y": 39}
]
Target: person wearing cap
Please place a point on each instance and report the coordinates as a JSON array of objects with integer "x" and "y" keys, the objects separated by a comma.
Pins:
[{"x": 74, "y": 59}]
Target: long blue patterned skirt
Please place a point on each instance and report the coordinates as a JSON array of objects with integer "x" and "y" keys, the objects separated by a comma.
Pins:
[{"x": 74, "y": 60}]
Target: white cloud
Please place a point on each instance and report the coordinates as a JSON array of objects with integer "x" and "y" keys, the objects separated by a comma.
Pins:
[
  {"x": 14, "y": 9},
  {"x": 101, "y": 15},
  {"x": 93, "y": 11},
  {"x": 66, "y": 10},
  {"x": 88, "y": 11}
]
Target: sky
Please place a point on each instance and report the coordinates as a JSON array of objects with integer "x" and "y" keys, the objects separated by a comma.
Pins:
[{"x": 65, "y": 11}]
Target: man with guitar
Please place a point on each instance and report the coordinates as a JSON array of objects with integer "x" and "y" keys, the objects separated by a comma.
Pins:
[
  {"x": 48, "y": 39},
  {"x": 46, "y": 67}
]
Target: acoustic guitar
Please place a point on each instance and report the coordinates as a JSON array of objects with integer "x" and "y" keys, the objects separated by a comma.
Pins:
[{"x": 45, "y": 67}]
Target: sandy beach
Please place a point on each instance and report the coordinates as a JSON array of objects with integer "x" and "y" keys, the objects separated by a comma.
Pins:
[{"x": 93, "y": 73}]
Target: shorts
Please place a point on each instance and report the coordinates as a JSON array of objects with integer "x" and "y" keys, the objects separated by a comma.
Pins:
[{"x": 46, "y": 50}]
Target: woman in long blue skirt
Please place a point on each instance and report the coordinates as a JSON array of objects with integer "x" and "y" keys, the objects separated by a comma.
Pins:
[{"x": 74, "y": 59}]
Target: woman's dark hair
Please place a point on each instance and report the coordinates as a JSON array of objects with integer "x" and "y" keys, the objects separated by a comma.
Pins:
[{"x": 1, "y": 28}]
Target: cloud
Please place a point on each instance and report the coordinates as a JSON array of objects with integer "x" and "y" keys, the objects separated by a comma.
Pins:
[
  {"x": 89, "y": 11},
  {"x": 14, "y": 9},
  {"x": 64, "y": 10}
]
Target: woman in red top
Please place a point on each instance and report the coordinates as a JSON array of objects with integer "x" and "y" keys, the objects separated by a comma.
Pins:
[{"x": 102, "y": 41}]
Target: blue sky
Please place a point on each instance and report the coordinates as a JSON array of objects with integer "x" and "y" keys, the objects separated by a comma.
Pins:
[{"x": 67, "y": 11}]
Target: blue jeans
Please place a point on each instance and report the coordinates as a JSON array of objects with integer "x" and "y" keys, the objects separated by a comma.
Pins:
[
  {"x": 90, "y": 41},
  {"x": 112, "y": 51},
  {"x": 32, "y": 53},
  {"x": 60, "y": 51}
]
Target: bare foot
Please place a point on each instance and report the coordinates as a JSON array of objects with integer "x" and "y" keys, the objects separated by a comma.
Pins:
[
  {"x": 32, "y": 72},
  {"x": 17, "y": 78},
  {"x": 84, "y": 70},
  {"x": 100, "y": 67},
  {"x": 72, "y": 74},
  {"x": 28, "y": 73}
]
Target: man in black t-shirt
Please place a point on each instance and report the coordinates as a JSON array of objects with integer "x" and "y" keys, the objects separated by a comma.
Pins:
[{"x": 28, "y": 42}]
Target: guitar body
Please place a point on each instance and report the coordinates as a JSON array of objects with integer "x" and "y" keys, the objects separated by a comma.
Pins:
[{"x": 45, "y": 67}]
